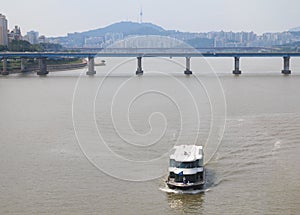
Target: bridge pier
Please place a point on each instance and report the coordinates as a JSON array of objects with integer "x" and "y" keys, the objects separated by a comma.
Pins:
[
  {"x": 91, "y": 70},
  {"x": 4, "y": 71},
  {"x": 188, "y": 66},
  {"x": 23, "y": 66},
  {"x": 42, "y": 66},
  {"x": 237, "y": 70},
  {"x": 139, "y": 70},
  {"x": 286, "y": 66}
]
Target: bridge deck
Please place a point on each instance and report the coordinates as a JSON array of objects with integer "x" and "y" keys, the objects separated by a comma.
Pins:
[{"x": 140, "y": 54}]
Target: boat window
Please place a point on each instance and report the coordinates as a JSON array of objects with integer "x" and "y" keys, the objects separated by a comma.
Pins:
[
  {"x": 186, "y": 165},
  {"x": 173, "y": 163},
  {"x": 200, "y": 163}
]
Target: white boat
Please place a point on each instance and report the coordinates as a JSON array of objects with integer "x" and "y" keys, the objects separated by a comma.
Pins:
[
  {"x": 186, "y": 170},
  {"x": 103, "y": 63}
]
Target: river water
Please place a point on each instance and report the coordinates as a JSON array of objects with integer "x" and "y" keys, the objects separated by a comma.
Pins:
[{"x": 72, "y": 144}]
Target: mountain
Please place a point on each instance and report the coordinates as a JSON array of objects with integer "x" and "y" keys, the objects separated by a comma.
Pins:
[
  {"x": 295, "y": 29},
  {"x": 126, "y": 28},
  {"x": 103, "y": 37}
]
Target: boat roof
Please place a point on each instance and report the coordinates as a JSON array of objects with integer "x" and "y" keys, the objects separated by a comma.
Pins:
[{"x": 187, "y": 153}]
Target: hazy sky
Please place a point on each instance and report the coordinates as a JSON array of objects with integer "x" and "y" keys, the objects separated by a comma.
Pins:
[{"x": 59, "y": 17}]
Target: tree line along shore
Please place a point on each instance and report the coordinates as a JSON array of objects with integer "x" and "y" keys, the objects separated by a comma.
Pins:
[{"x": 31, "y": 65}]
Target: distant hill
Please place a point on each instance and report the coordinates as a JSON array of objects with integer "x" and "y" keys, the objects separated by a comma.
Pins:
[
  {"x": 126, "y": 28},
  {"x": 117, "y": 31},
  {"x": 295, "y": 29}
]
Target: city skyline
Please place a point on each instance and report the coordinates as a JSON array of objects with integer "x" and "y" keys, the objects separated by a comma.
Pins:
[
  {"x": 103, "y": 37},
  {"x": 195, "y": 16}
]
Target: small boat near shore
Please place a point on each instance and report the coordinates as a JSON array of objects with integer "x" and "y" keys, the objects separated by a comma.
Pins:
[
  {"x": 186, "y": 170},
  {"x": 103, "y": 63}
]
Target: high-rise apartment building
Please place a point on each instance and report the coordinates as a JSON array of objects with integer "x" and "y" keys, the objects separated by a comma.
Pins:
[
  {"x": 32, "y": 37},
  {"x": 3, "y": 30}
]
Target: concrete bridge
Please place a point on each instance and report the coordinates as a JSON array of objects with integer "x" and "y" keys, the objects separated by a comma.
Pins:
[{"x": 140, "y": 54}]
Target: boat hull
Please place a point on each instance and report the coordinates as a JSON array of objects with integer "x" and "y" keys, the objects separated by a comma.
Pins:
[{"x": 182, "y": 186}]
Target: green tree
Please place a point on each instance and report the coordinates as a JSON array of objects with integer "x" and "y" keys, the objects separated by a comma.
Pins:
[
  {"x": 21, "y": 46},
  {"x": 25, "y": 46},
  {"x": 3, "y": 48}
]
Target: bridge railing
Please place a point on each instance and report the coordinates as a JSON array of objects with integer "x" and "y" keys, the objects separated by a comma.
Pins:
[
  {"x": 179, "y": 50},
  {"x": 149, "y": 50}
]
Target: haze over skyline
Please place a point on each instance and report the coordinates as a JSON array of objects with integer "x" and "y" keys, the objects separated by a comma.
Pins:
[{"x": 57, "y": 18}]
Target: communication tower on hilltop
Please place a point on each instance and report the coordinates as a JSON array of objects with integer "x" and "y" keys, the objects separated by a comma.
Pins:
[{"x": 141, "y": 15}]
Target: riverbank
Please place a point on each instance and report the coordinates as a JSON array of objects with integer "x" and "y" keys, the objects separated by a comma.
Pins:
[
  {"x": 57, "y": 67},
  {"x": 52, "y": 67}
]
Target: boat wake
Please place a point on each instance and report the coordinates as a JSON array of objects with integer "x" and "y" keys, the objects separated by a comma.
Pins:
[{"x": 189, "y": 192}]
